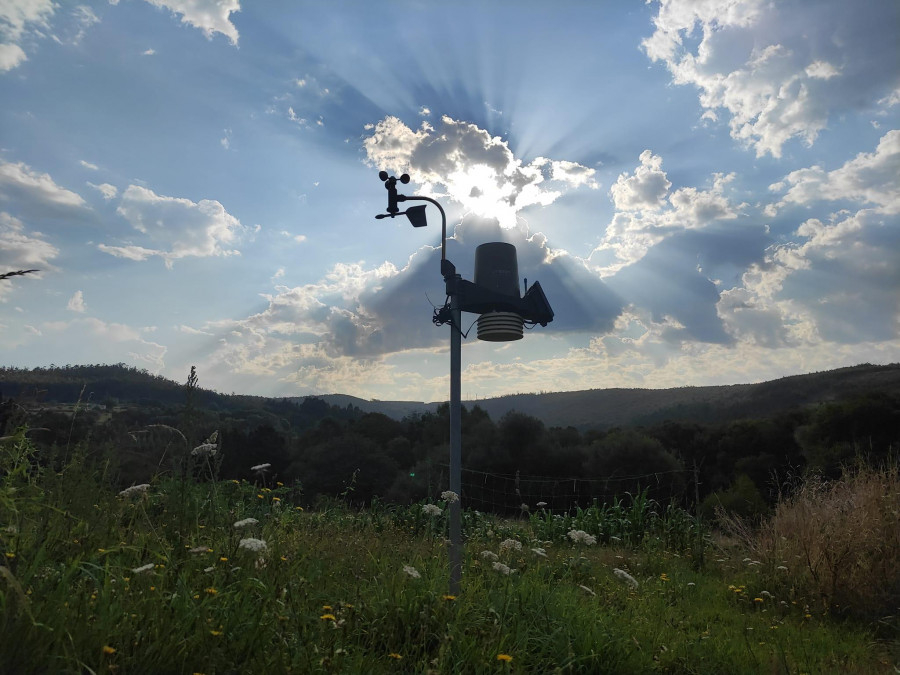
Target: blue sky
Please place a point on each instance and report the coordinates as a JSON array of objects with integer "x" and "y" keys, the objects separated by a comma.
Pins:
[{"x": 707, "y": 191}]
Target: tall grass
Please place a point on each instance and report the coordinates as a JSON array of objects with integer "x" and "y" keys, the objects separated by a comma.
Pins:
[{"x": 157, "y": 581}]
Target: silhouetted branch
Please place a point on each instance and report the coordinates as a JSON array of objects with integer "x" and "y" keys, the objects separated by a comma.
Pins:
[{"x": 7, "y": 275}]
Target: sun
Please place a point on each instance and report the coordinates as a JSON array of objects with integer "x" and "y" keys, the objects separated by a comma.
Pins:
[{"x": 483, "y": 191}]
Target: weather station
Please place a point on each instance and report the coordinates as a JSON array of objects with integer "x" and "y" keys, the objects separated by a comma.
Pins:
[{"x": 503, "y": 315}]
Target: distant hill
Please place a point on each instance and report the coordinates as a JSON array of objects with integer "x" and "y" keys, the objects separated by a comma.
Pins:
[
  {"x": 594, "y": 408},
  {"x": 605, "y": 408}
]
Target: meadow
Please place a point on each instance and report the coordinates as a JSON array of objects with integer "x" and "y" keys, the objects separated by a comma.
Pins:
[{"x": 189, "y": 574}]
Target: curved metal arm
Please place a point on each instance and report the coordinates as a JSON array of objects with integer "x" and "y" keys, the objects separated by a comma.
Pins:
[{"x": 404, "y": 198}]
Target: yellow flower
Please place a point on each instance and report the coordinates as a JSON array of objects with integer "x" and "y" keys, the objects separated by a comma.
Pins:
[
  {"x": 326, "y": 608},
  {"x": 759, "y": 600},
  {"x": 196, "y": 596},
  {"x": 276, "y": 499},
  {"x": 448, "y": 597},
  {"x": 395, "y": 655},
  {"x": 212, "y": 591},
  {"x": 504, "y": 657},
  {"x": 299, "y": 508},
  {"x": 236, "y": 482},
  {"x": 664, "y": 576},
  {"x": 259, "y": 496},
  {"x": 279, "y": 484},
  {"x": 109, "y": 650},
  {"x": 327, "y": 617},
  {"x": 217, "y": 633},
  {"x": 223, "y": 559},
  {"x": 10, "y": 555}
]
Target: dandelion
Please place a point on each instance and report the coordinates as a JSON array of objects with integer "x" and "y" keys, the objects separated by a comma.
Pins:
[
  {"x": 261, "y": 468},
  {"x": 246, "y": 522},
  {"x": 664, "y": 577},
  {"x": 135, "y": 490},
  {"x": 503, "y": 569},
  {"x": 327, "y": 617},
  {"x": 449, "y": 496},
  {"x": 582, "y": 537},
  {"x": 539, "y": 552},
  {"x": 143, "y": 568},
  {"x": 489, "y": 555},
  {"x": 212, "y": 591},
  {"x": 216, "y": 633},
  {"x": 587, "y": 590},
  {"x": 109, "y": 650},
  {"x": 205, "y": 450},
  {"x": 395, "y": 655},
  {"x": 412, "y": 571},
  {"x": 255, "y": 545},
  {"x": 504, "y": 657},
  {"x": 510, "y": 545},
  {"x": 758, "y": 600},
  {"x": 624, "y": 577},
  {"x": 431, "y": 510},
  {"x": 448, "y": 598},
  {"x": 223, "y": 559}
]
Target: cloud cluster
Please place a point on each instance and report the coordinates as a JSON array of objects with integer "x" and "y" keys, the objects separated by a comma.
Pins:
[
  {"x": 465, "y": 163},
  {"x": 210, "y": 16},
  {"x": 36, "y": 194},
  {"x": 20, "y": 249},
  {"x": 17, "y": 18},
  {"x": 779, "y": 70},
  {"x": 183, "y": 228}
]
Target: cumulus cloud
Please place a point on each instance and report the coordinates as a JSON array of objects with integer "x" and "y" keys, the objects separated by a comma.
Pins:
[
  {"x": 76, "y": 303},
  {"x": 35, "y": 194},
  {"x": 869, "y": 178},
  {"x": 178, "y": 227},
  {"x": 210, "y": 16},
  {"x": 17, "y": 18},
  {"x": 779, "y": 70},
  {"x": 460, "y": 161},
  {"x": 108, "y": 191},
  {"x": 20, "y": 249},
  {"x": 647, "y": 213}
]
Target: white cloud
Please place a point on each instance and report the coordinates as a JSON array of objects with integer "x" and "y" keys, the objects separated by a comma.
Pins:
[
  {"x": 76, "y": 303},
  {"x": 35, "y": 194},
  {"x": 869, "y": 178},
  {"x": 210, "y": 16},
  {"x": 179, "y": 227},
  {"x": 300, "y": 238},
  {"x": 20, "y": 249},
  {"x": 477, "y": 170},
  {"x": 148, "y": 52},
  {"x": 425, "y": 111},
  {"x": 780, "y": 70},
  {"x": 645, "y": 189},
  {"x": 108, "y": 191},
  {"x": 18, "y": 17},
  {"x": 88, "y": 165}
]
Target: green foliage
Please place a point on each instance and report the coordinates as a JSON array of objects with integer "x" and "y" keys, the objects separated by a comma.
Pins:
[{"x": 742, "y": 499}]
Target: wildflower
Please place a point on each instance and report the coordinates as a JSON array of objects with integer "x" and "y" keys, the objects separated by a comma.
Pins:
[
  {"x": 431, "y": 510},
  {"x": 623, "y": 576},
  {"x": 758, "y": 600},
  {"x": 10, "y": 555},
  {"x": 276, "y": 500},
  {"x": 327, "y": 617},
  {"x": 395, "y": 655},
  {"x": 510, "y": 545},
  {"x": 524, "y": 508},
  {"x": 587, "y": 590},
  {"x": 109, "y": 650},
  {"x": 691, "y": 583},
  {"x": 255, "y": 545},
  {"x": 504, "y": 657},
  {"x": 489, "y": 555},
  {"x": 539, "y": 552},
  {"x": 781, "y": 568},
  {"x": 664, "y": 577},
  {"x": 261, "y": 468},
  {"x": 217, "y": 633},
  {"x": 765, "y": 594},
  {"x": 448, "y": 597},
  {"x": 541, "y": 505},
  {"x": 205, "y": 450},
  {"x": 142, "y": 568},
  {"x": 412, "y": 571},
  {"x": 279, "y": 483},
  {"x": 246, "y": 522},
  {"x": 503, "y": 569},
  {"x": 327, "y": 608},
  {"x": 212, "y": 591},
  {"x": 580, "y": 536},
  {"x": 223, "y": 559},
  {"x": 135, "y": 490},
  {"x": 449, "y": 496}
]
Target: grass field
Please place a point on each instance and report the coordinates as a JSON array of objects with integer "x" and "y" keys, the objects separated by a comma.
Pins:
[{"x": 174, "y": 577}]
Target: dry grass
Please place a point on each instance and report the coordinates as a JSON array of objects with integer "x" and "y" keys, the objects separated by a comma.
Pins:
[{"x": 839, "y": 540}]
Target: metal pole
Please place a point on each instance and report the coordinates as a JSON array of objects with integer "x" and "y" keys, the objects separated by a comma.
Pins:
[{"x": 455, "y": 447}]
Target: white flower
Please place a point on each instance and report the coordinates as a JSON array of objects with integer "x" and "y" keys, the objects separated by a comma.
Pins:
[
  {"x": 580, "y": 536},
  {"x": 765, "y": 594},
  {"x": 587, "y": 590},
  {"x": 246, "y": 522},
  {"x": 449, "y": 496},
  {"x": 781, "y": 568},
  {"x": 510, "y": 545},
  {"x": 541, "y": 505},
  {"x": 205, "y": 450},
  {"x": 489, "y": 555},
  {"x": 539, "y": 552},
  {"x": 622, "y": 575},
  {"x": 255, "y": 545},
  {"x": 260, "y": 468},
  {"x": 412, "y": 571},
  {"x": 200, "y": 549},
  {"x": 431, "y": 510},
  {"x": 209, "y": 569},
  {"x": 524, "y": 508},
  {"x": 500, "y": 567},
  {"x": 213, "y": 437},
  {"x": 135, "y": 490},
  {"x": 143, "y": 568}
]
